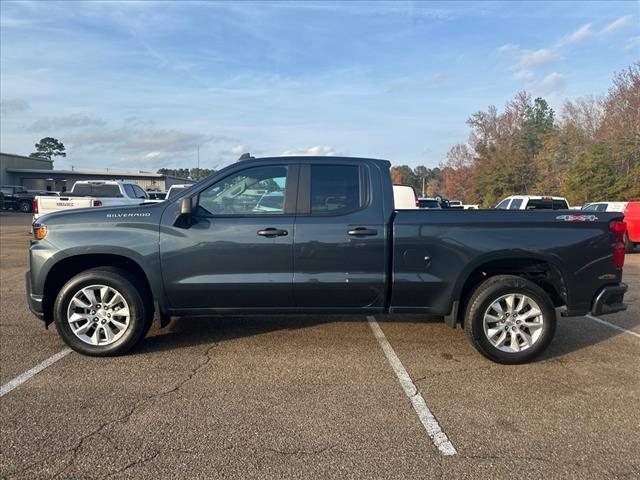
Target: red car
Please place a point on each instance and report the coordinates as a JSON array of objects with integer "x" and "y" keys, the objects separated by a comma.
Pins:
[{"x": 632, "y": 217}]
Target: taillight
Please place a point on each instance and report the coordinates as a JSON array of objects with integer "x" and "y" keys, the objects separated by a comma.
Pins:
[
  {"x": 97, "y": 203},
  {"x": 618, "y": 227},
  {"x": 34, "y": 208}
]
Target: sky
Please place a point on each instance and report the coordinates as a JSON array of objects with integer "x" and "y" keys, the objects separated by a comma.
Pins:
[{"x": 143, "y": 85}]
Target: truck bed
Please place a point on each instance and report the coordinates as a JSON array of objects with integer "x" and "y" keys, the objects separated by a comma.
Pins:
[{"x": 435, "y": 251}]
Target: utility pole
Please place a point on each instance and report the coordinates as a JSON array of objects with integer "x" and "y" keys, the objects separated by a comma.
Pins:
[
  {"x": 198, "y": 159},
  {"x": 423, "y": 178}
]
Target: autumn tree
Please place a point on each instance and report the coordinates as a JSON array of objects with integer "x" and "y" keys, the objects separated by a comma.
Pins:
[{"x": 457, "y": 174}]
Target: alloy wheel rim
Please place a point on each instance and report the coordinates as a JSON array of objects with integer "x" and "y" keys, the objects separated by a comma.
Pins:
[
  {"x": 98, "y": 315},
  {"x": 513, "y": 323}
]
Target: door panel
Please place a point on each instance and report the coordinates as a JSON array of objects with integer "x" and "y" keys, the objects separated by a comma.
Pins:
[
  {"x": 333, "y": 268},
  {"x": 238, "y": 253},
  {"x": 224, "y": 263}
]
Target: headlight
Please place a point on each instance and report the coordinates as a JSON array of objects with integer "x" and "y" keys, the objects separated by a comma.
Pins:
[{"x": 39, "y": 231}]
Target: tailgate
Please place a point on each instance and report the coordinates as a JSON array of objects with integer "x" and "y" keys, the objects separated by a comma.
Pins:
[{"x": 57, "y": 204}]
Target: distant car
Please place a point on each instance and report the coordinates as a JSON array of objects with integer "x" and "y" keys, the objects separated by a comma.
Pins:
[
  {"x": 44, "y": 193},
  {"x": 176, "y": 189},
  {"x": 91, "y": 193},
  {"x": 157, "y": 195},
  {"x": 404, "y": 197},
  {"x": 605, "y": 207},
  {"x": 533, "y": 202},
  {"x": 429, "y": 203},
  {"x": 16, "y": 197}
]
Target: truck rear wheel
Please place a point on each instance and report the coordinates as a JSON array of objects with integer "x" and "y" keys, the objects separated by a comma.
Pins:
[
  {"x": 100, "y": 312},
  {"x": 510, "y": 319}
]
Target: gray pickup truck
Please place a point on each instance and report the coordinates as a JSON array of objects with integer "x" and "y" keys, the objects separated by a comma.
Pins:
[{"x": 321, "y": 235}]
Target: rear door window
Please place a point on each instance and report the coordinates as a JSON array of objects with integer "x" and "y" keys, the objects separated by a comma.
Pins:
[
  {"x": 335, "y": 189},
  {"x": 516, "y": 203},
  {"x": 129, "y": 191}
]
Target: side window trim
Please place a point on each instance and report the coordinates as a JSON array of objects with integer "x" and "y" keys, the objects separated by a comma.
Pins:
[{"x": 289, "y": 195}]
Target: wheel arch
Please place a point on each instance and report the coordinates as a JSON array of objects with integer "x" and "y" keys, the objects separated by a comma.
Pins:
[
  {"x": 69, "y": 266},
  {"x": 545, "y": 271}
]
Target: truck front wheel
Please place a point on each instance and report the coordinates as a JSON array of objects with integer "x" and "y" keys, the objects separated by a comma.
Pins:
[
  {"x": 25, "y": 206},
  {"x": 100, "y": 312},
  {"x": 510, "y": 319}
]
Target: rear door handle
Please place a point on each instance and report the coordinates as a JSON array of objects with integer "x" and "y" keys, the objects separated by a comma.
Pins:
[
  {"x": 362, "y": 231},
  {"x": 273, "y": 232}
]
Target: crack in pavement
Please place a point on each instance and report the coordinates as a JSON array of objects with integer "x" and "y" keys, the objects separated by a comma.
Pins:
[
  {"x": 122, "y": 419},
  {"x": 135, "y": 463}
]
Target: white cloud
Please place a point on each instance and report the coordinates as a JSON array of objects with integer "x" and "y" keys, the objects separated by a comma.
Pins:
[
  {"x": 318, "y": 151},
  {"x": 633, "y": 44},
  {"x": 524, "y": 75},
  {"x": 238, "y": 150},
  {"x": 617, "y": 24},
  {"x": 139, "y": 141},
  {"x": 508, "y": 48},
  {"x": 535, "y": 58},
  {"x": 72, "y": 121},
  {"x": 579, "y": 35},
  {"x": 551, "y": 83}
]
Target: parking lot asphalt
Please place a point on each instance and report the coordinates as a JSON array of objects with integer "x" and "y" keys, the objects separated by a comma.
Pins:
[{"x": 313, "y": 397}]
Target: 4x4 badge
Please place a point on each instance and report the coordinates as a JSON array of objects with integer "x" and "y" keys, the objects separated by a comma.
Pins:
[{"x": 577, "y": 218}]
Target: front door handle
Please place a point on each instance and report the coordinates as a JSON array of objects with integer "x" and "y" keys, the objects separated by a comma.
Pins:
[
  {"x": 362, "y": 231},
  {"x": 273, "y": 232}
]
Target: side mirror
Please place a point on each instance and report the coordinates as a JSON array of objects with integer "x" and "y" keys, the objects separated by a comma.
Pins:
[{"x": 184, "y": 217}]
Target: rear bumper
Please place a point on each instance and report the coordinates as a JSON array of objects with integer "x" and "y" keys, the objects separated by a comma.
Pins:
[
  {"x": 609, "y": 299},
  {"x": 34, "y": 301}
]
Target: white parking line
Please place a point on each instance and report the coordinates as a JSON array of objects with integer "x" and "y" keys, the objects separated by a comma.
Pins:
[
  {"x": 612, "y": 325},
  {"x": 23, "y": 377},
  {"x": 438, "y": 437}
]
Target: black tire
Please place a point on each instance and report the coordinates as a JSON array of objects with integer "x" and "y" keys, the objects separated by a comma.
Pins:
[
  {"x": 25, "y": 206},
  {"x": 123, "y": 282},
  {"x": 488, "y": 292},
  {"x": 629, "y": 246}
]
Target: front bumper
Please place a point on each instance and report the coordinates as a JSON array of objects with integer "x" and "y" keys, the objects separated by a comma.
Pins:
[
  {"x": 34, "y": 301},
  {"x": 610, "y": 299}
]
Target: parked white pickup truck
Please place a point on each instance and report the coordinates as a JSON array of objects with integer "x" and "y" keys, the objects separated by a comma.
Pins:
[{"x": 91, "y": 193}]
